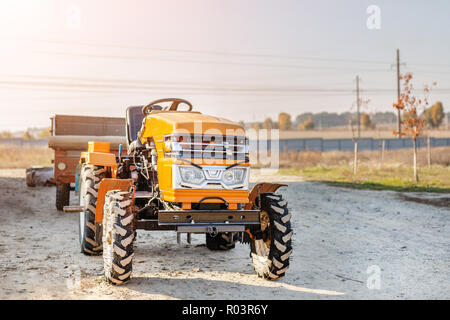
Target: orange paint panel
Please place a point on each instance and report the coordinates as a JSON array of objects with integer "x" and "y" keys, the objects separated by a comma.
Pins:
[
  {"x": 195, "y": 195},
  {"x": 186, "y": 206},
  {"x": 106, "y": 185},
  {"x": 101, "y": 159},
  {"x": 159, "y": 124},
  {"x": 95, "y": 146}
]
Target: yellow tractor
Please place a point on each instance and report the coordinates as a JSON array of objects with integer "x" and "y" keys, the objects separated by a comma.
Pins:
[{"x": 182, "y": 171}]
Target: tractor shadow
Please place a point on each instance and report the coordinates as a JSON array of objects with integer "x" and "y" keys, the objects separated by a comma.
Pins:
[
  {"x": 226, "y": 286},
  {"x": 168, "y": 256},
  {"x": 195, "y": 272}
]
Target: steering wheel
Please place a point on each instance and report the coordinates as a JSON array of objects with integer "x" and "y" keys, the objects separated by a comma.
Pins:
[{"x": 173, "y": 107}]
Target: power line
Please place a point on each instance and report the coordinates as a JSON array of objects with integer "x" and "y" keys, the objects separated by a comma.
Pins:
[
  {"x": 235, "y": 54},
  {"x": 246, "y": 64},
  {"x": 128, "y": 81},
  {"x": 126, "y": 86},
  {"x": 212, "y": 90},
  {"x": 232, "y": 54},
  {"x": 211, "y": 52}
]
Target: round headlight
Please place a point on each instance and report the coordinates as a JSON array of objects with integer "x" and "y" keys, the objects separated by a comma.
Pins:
[
  {"x": 228, "y": 177},
  {"x": 61, "y": 166},
  {"x": 233, "y": 176},
  {"x": 189, "y": 175}
]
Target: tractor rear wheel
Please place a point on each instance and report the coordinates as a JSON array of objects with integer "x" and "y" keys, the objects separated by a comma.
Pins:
[
  {"x": 118, "y": 237},
  {"x": 62, "y": 195},
  {"x": 90, "y": 177},
  {"x": 222, "y": 241},
  {"x": 271, "y": 246}
]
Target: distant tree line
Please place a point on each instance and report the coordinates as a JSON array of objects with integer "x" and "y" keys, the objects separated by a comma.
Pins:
[
  {"x": 433, "y": 117},
  {"x": 332, "y": 119},
  {"x": 34, "y": 133}
]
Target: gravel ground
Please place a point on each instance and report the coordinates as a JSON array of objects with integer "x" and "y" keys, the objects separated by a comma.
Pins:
[{"x": 344, "y": 242}]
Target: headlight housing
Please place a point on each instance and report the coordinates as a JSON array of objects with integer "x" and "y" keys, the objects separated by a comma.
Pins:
[
  {"x": 192, "y": 175},
  {"x": 210, "y": 177},
  {"x": 233, "y": 176}
]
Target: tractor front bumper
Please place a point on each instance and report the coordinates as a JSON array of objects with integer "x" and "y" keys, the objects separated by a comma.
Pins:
[{"x": 207, "y": 221}]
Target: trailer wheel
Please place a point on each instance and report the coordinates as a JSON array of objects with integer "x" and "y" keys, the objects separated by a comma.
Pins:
[
  {"x": 62, "y": 195},
  {"x": 90, "y": 178},
  {"x": 118, "y": 236},
  {"x": 222, "y": 241},
  {"x": 271, "y": 247}
]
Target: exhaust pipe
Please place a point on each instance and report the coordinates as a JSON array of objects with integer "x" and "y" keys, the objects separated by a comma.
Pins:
[{"x": 70, "y": 209}]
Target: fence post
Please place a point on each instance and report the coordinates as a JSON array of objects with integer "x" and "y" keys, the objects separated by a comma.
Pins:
[
  {"x": 355, "y": 157},
  {"x": 429, "y": 151},
  {"x": 383, "y": 143}
]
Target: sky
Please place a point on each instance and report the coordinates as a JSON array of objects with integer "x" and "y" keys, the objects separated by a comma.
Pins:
[{"x": 243, "y": 60}]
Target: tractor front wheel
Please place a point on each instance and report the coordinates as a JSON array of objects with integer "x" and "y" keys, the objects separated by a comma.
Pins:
[
  {"x": 90, "y": 178},
  {"x": 118, "y": 237},
  {"x": 271, "y": 246}
]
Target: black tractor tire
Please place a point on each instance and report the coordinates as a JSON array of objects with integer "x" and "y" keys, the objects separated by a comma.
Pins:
[
  {"x": 272, "y": 247},
  {"x": 90, "y": 177},
  {"x": 118, "y": 237},
  {"x": 62, "y": 195},
  {"x": 222, "y": 241}
]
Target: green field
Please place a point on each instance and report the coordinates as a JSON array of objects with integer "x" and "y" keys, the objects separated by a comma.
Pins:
[{"x": 397, "y": 178}]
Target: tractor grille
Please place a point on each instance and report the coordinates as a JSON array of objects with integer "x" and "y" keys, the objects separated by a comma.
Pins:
[{"x": 196, "y": 146}]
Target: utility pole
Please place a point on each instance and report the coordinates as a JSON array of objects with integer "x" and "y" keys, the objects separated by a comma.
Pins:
[
  {"x": 358, "y": 116},
  {"x": 399, "y": 128}
]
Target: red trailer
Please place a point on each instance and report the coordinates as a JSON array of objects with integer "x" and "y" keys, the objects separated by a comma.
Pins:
[{"x": 69, "y": 137}]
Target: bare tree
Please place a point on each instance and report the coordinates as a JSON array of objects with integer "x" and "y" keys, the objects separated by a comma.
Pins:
[
  {"x": 411, "y": 124},
  {"x": 361, "y": 103}
]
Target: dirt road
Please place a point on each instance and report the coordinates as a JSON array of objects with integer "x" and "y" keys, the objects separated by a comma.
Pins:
[{"x": 346, "y": 243}]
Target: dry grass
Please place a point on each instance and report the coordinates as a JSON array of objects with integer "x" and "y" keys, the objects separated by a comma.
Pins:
[
  {"x": 12, "y": 157},
  {"x": 395, "y": 173},
  {"x": 301, "y": 160},
  {"x": 397, "y": 178}
]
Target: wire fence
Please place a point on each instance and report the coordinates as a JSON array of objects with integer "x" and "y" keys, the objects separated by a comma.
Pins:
[
  {"x": 364, "y": 144},
  {"x": 304, "y": 144}
]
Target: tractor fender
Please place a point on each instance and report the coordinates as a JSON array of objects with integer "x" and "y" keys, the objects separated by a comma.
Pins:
[
  {"x": 108, "y": 184},
  {"x": 263, "y": 187},
  {"x": 99, "y": 154}
]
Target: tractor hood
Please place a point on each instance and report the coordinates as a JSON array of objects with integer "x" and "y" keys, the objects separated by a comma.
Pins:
[{"x": 160, "y": 123}]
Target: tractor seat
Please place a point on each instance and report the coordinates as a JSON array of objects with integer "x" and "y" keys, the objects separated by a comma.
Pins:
[{"x": 134, "y": 120}]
